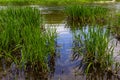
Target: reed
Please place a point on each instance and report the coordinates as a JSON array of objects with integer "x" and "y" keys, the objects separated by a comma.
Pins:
[
  {"x": 23, "y": 40},
  {"x": 93, "y": 45},
  {"x": 83, "y": 14}
]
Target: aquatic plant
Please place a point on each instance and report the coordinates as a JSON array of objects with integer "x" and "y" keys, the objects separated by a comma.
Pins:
[
  {"x": 115, "y": 28},
  {"x": 23, "y": 40},
  {"x": 84, "y": 14},
  {"x": 92, "y": 43}
]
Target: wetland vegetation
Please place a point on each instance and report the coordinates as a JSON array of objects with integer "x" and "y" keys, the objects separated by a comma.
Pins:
[
  {"x": 116, "y": 30},
  {"x": 23, "y": 40},
  {"x": 85, "y": 14},
  {"x": 29, "y": 45},
  {"x": 97, "y": 55},
  {"x": 46, "y": 2}
]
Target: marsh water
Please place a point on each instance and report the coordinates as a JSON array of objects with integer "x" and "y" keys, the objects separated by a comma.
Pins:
[{"x": 64, "y": 67}]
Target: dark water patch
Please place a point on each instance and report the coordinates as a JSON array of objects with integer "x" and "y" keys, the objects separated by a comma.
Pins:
[{"x": 53, "y": 17}]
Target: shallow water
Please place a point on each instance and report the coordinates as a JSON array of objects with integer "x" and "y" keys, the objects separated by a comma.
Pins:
[{"x": 64, "y": 67}]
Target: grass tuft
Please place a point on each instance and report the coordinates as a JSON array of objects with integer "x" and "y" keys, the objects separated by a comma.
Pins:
[
  {"x": 23, "y": 40},
  {"x": 82, "y": 14},
  {"x": 97, "y": 54}
]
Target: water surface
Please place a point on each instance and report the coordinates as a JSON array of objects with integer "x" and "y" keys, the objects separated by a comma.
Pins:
[{"x": 64, "y": 67}]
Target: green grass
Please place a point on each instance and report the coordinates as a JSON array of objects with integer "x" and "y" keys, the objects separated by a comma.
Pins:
[
  {"x": 115, "y": 29},
  {"x": 23, "y": 40},
  {"x": 45, "y": 2},
  {"x": 93, "y": 46},
  {"x": 83, "y": 14},
  {"x": 41, "y": 2}
]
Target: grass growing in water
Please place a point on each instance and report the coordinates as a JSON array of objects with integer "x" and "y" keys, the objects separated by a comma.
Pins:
[
  {"x": 115, "y": 29},
  {"x": 97, "y": 55},
  {"x": 86, "y": 14},
  {"x": 22, "y": 39}
]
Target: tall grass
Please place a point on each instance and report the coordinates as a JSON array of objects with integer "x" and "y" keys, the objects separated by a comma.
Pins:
[
  {"x": 93, "y": 45},
  {"x": 83, "y": 14},
  {"x": 23, "y": 41}
]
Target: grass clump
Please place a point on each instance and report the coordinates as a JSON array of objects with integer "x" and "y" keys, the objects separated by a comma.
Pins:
[
  {"x": 97, "y": 55},
  {"x": 22, "y": 39},
  {"x": 81, "y": 14}
]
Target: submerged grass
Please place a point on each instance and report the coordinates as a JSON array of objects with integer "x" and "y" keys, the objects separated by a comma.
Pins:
[
  {"x": 82, "y": 14},
  {"x": 97, "y": 54},
  {"x": 22, "y": 39}
]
